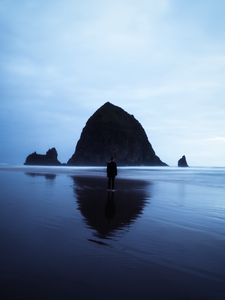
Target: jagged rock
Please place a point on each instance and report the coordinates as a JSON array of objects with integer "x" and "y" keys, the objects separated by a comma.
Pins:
[
  {"x": 48, "y": 159},
  {"x": 182, "y": 162},
  {"x": 111, "y": 131}
]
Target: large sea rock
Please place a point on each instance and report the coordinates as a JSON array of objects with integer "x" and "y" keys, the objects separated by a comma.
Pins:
[
  {"x": 111, "y": 131},
  {"x": 48, "y": 159}
]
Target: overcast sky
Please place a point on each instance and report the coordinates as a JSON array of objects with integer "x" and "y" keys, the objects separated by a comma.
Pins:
[{"x": 161, "y": 60}]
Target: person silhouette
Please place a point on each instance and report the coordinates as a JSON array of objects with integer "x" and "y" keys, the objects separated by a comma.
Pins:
[{"x": 111, "y": 173}]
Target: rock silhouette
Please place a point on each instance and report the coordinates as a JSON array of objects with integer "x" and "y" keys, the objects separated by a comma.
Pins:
[
  {"x": 48, "y": 159},
  {"x": 111, "y": 131},
  {"x": 182, "y": 162}
]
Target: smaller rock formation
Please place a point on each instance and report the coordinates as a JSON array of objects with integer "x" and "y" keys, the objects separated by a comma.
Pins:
[
  {"x": 48, "y": 159},
  {"x": 182, "y": 162}
]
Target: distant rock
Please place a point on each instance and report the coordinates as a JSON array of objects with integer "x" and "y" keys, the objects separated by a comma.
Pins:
[
  {"x": 182, "y": 162},
  {"x": 48, "y": 159},
  {"x": 111, "y": 131}
]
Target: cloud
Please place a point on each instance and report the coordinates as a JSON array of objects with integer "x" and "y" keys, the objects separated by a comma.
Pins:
[{"x": 217, "y": 139}]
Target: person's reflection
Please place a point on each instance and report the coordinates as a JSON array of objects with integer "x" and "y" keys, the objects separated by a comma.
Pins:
[
  {"x": 110, "y": 208},
  {"x": 110, "y": 212}
]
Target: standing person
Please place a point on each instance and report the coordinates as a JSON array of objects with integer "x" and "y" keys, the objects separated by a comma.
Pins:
[{"x": 111, "y": 173}]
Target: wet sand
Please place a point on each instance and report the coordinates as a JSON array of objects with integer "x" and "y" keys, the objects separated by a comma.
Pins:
[{"x": 64, "y": 236}]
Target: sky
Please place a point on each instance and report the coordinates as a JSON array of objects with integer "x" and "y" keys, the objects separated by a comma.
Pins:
[{"x": 161, "y": 60}]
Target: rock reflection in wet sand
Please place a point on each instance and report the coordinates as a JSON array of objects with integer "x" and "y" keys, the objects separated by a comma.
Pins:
[{"x": 110, "y": 212}]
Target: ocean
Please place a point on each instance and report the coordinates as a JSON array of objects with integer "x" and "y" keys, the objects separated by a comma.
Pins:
[{"x": 160, "y": 235}]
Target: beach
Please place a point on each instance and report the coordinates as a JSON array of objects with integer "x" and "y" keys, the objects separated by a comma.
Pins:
[{"x": 160, "y": 235}]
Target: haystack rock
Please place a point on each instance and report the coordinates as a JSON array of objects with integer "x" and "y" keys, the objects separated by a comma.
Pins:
[
  {"x": 111, "y": 131},
  {"x": 182, "y": 162},
  {"x": 48, "y": 159}
]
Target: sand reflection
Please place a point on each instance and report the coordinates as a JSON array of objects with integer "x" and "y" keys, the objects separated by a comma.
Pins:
[
  {"x": 110, "y": 212},
  {"x": 48, "y": 176}
]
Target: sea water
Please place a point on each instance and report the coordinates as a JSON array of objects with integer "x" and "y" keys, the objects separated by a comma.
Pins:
[{"x": 160, "y": 235}]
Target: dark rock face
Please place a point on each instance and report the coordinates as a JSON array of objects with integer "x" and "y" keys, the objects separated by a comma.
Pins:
[
  {"x": 48, "y": 159},
  {"x": 111, "y": 131},
  {"x": 182, "y": 162}
]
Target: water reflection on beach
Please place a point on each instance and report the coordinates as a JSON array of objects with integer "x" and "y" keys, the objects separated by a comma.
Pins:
[
  {"x": 106, "y": 212},
  {"x": 48, "y": 176},
  {"x": 159, "y": 236}
]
